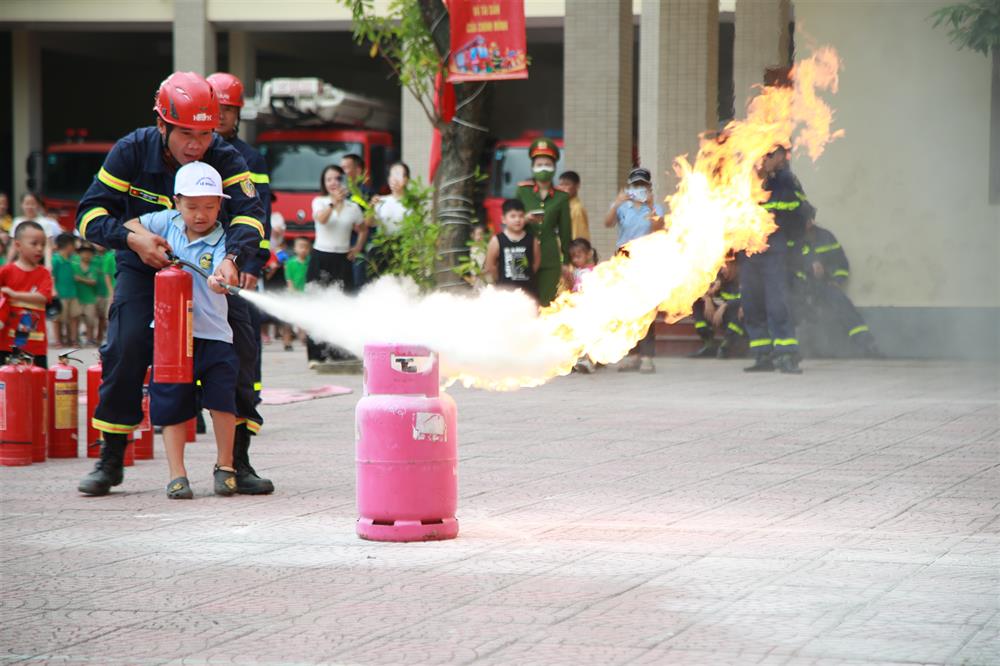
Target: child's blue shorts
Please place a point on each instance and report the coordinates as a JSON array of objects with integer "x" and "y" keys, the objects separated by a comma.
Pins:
[{"x": 216, "y": 366}]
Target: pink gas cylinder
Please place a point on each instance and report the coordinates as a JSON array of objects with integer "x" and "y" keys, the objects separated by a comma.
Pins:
[{"x": 406, "y": 449}]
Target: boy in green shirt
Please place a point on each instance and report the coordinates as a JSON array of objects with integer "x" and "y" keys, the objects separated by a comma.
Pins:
[
  {"x": 86, "y": 275},
  {"x": 67, "y": 324},
  {"x": 296, "y": 267}
]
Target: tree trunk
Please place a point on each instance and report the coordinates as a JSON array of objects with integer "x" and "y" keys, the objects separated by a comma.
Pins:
[{"x": 462, "y": 142}]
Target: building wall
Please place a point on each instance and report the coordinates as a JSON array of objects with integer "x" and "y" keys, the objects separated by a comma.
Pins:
[{"x": 906, "y": 190}]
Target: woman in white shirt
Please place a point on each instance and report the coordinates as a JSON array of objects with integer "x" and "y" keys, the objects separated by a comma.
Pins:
[
  {"x": 335, "y": 217},
  {"x": 32, "y": 209},
  {"x": 387, "y": 214}
]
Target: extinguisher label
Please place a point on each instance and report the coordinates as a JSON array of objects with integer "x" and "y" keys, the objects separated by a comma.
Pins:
[
  {"x": 3, "y": 405},
  {"x": 63, "y": 374},
  {"x": 429, "y": 427},
  {"x": 64, "y": 406},
  {"x": 190, "y": 329}
]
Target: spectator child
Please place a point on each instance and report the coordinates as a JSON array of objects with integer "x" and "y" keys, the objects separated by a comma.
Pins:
[
  {"x": 67, "y": 324},
  {"x": 87, "y": 276},
  {"x": 103, "y": 288},
  {"x": 195, "y": 235},
  {"x": 27, "y": 284},
  {"x": 298, "y": 265},
  {"x": 5, "y": 219},
  {"x": 569, "y": 182},
  {"x": 514, "y": 255},
  {"x": 275, "y": 282},
  {"x": 581, "y": 257}
]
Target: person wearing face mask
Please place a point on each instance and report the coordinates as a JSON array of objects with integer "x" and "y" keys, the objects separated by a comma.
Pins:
[
  {"x": 547, "y": 209},
  {"x": 635, "y": 215}
]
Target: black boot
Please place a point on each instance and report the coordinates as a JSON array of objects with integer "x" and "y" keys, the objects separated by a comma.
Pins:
[
  {"x": 762, "y": 364},
  {"x": 247, "y": 481},
  {"x": 788, "y": 364},
  {"x": 708, "y": 350},
  {"x": 109, "y": 470}
]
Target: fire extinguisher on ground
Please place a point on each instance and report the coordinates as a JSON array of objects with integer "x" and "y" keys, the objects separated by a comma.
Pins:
[{"x": 64, "y": 408}]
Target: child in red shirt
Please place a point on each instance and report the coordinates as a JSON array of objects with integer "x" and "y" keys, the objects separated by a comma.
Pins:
[{"x": 26, "y": 285}]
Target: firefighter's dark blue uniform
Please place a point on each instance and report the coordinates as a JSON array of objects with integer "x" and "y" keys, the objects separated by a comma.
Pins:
[
  {"x": 135, "y": 180},
  {"x": 820, "y": 302},
  {"x": 262, "y": 182},
  {"x": 763, "y": 276}
]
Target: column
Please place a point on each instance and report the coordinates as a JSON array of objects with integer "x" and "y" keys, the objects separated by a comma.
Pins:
[
  {"x": 417, "y": 134},
  {"x": 762, "y": 42},
  {"x": 597, "y": 110},
  {"x": 194, "y": 38},
  {"x": 26, "y": 102},
  {"x": 678, "y": 83},
  {"x": 243, "y": 65}
]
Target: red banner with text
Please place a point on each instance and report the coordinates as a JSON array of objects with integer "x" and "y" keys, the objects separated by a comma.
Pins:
[{"x": 488, "y": 40}]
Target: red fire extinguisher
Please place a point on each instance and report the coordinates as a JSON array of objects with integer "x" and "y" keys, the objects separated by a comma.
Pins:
[
  {"x": 142, "y": 436},
  {"x": 173, "y": 327},
  {"x": 93, "y": 386},
  {"x": 63, "y": 408},
  {"x": 16, "y": 417},
  {"x": 40, "y": 413}
]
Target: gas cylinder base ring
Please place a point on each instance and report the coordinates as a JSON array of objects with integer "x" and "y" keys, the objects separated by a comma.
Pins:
[{"x": 407, "y": 530}]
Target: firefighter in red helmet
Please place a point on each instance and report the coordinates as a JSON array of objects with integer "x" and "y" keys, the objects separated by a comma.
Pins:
[
  {"x": 229, "y": 91},
  {"x": 137, "y": 177}
]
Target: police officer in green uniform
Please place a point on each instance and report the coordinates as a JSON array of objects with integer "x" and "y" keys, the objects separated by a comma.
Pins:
[{"x": 551, "y": 223}]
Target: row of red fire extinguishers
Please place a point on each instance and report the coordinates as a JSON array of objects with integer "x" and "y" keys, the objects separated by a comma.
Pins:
[{"x": 39, "y": 408}]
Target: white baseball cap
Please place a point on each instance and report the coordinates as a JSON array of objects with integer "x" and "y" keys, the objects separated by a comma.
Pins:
[{"x": 197, "y": 179}]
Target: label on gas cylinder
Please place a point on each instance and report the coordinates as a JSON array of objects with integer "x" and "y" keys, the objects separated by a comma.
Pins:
[
  {"x": 3, "y": 405},
  {"x": 64, "y": 406},
  {"x": 429, "y": 427},
  {"x": 63, "y": 374},
  {"x": 190, "y": 329}
]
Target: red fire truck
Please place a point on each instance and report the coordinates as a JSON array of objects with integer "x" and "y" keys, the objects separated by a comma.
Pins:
[
  {"x": 64, "y": 171},
  {"x": 510, "y": 165},
  {"x": 305, "y": 125}
]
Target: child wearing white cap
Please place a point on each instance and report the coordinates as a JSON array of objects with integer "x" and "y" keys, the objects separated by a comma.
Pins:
[{"x": 194, "y": 234}]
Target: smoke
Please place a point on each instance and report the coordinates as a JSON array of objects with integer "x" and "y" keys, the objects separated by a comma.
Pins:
[{"x": 494, "y": 335}]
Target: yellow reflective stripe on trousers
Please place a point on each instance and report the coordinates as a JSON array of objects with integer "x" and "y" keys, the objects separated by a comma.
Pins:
[
  {"x": 232, "y": 180},
  {"x": 88, "y": 216},
  {"x": 827, "y": 248},
  {"x": 785, "y": 342},
  {"x": 700, "y": 324},
  {"x": 857, "y": 329},
  {"x": 840, "y": 272},
  {"x": 260, "y": 178},
  {"x": 781, "y": 205},
  {"x": 735, "y": 328},
  {"x": 113, "y": 428},
  {"x": 766, "y": 342},
  {"x": 257, "y": 386},
  {"x": 111, "y": 181},
  {"x": 253, "y": 426},
  {"x": 249, "y": 221}
]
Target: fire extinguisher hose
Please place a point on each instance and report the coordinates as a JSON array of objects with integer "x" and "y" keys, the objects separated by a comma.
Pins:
[{"x": 232, "y": 289}]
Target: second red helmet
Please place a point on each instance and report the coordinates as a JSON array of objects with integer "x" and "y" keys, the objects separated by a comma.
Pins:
[
  {"x": 187, "y": 100},
  {"x": 228, "y": 88}
]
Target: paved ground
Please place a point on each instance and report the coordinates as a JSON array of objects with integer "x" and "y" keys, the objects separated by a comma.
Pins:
[{"x": 697, "y": 516}]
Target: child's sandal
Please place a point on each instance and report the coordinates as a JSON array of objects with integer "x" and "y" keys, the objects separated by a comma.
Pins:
[
  {"x": 225, "y": 481},
  {"x": 179, "y": 488}
]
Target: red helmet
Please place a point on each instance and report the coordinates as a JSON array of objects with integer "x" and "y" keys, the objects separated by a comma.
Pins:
[
  {"x": 187, "y": 100},
  {"x": 227, "y": 88}
]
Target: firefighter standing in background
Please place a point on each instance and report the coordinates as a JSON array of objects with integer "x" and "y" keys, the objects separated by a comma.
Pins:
[
  {"x": 819, "y": 276},
  {"x": 229, "y": 91},
  {"x": 550, "y": 223},
  {"x": 726, "y": 317},
  {"x": 763, "y": 276},
  {"x": 137, "y": 178}
]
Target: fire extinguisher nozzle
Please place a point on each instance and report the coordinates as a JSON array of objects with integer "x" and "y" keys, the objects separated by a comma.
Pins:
[{"x": 233, "y": 290}]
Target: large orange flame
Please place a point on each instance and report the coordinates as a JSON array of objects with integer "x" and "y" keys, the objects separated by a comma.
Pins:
[{"x": 714, "y": 211}]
